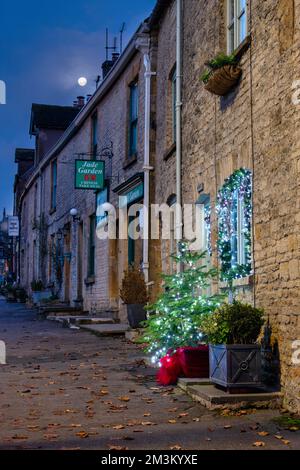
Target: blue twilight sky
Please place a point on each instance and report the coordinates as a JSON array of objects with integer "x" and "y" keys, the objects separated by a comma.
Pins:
[{"x": 45, "y": 46}]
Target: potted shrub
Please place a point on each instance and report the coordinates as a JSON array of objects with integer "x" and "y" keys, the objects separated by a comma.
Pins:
[
  {"x": 222, "y": 74},
  {"x": 38, "y": 292},
  {"x": 134, "y": 294},
  {"x": 21, "y": 295},
  {"x": 235, "y": 356},
  {"x": 11, "y": 293}
]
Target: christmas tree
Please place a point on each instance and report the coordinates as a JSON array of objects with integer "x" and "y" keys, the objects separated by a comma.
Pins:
[{"x": 182, "y": 306}]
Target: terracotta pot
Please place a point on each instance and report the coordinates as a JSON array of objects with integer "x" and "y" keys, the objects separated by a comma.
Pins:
[{"x": 224, "y": 79}]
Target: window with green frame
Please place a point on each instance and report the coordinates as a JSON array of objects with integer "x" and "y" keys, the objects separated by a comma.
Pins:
[
  {"x": 53, "y": 184},
  {"x": 133, "y": 118},
  {"x": 92, "y": 246},
  {"x": 174, "y": 102}
]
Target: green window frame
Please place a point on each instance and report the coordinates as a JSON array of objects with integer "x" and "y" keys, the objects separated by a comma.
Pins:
[
  {"x": 174, "y": 103},
  {"x": 133, "y": 118},
  {"x": 53, "y": 185},
  {"x": 94, "y": 136}
]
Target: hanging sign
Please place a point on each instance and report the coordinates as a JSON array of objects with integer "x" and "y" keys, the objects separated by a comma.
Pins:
[
  {"x": 13, "y": 226},
  {"x": 89, "y": 174}
]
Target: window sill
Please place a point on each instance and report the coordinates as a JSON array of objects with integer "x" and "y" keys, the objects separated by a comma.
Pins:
[
  {"x": 170, "y": 152},
  {"x": 130, "y": 161},
  {"x": 89, "y": 281},
  {"x": 242, "y": 282},
  {"x": 242, "y": 48}
]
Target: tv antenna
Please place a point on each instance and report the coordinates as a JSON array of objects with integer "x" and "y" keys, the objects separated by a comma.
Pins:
[
  {"x": 108, "y": 47},
  {"x": 121, "y": 37}
]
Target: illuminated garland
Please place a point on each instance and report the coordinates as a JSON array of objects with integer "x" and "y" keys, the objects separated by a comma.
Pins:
[
  {"x": 207, "y": 221},
  {"x": 241, "y": 182}
]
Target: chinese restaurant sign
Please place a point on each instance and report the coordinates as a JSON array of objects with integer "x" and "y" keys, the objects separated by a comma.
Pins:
[{"x": 89, "y": 174}]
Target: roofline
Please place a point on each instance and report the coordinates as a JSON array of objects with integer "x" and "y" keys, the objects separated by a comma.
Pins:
[
  {"x": 129, "y": 52},
  {"x": 158, "y": 12}
]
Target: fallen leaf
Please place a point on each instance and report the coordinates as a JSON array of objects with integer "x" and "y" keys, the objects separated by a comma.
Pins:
[
  {"x": 286, "y": 442},
  {"x": 126, "y": 399},
  {"x": 104, "y": 392},
  {"x": 294, "y": 429},
  {"x": 147, "y": 423},
  {"x": 259, "y": 444},
  {"x": 228, "y": 426},
  {"x": 177, "y": 447},
  {"x": 119, "y": 426},
  {"x": 82, "y": 435},
  {"x": 278, "y": 437},
  {"x": 183, "y": 415},
  {"x": 117, "y": 448},
  {"x": 147, "y": 415},
  {"x": 172, "y": 421},
  {"x": 263, "y": 433}
]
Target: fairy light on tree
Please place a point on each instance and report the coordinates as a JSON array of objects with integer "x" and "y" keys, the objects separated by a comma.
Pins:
[{"x": 182, "y": 306}]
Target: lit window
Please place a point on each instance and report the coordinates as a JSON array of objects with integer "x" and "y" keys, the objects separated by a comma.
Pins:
[{"x": 236, "y": 23}]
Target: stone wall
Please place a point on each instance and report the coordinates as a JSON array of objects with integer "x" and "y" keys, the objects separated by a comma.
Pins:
[{"x": 256, "y": 127}]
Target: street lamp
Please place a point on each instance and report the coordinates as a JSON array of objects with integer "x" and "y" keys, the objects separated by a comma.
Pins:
[{"x": 74, "y": 214}]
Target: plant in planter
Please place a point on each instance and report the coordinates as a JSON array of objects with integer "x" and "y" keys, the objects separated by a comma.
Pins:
[
  {"x": 11, "y": 295},
  {"x": 134, "y": 294},
  {"x": 235, "y": 358},
  {"x": 38, "y": 292},
  {"x": 222, "y": 74},
  {"x": 175, "y": 328},
  {"x": 21, "y": 295}
]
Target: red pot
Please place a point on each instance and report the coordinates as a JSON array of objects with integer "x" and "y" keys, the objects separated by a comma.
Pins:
[{"x": 194, "y": 362}]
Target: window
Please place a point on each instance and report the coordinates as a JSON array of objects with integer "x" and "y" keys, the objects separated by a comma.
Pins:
[
  {"x": 92, "y": 247},
  {"x": 238, "y": 248},
  {"x": 174, "y": 102},
  {"x": 133, "y": 118},
  {"x": 94, "y": 136},
  {"x": 234, "y": 210},
  {"x": 236, "y": 23},
  {"x": 53, "y": 184}
]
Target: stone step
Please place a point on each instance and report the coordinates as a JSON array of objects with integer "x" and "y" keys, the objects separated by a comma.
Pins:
[
  {"x": 184, "y": 383},
  {"x": 78, "y": 320},
  {"x": 214, "y": 398},
  {"x": 61, "y": 311},
  {"x": 106, "y": 330}
]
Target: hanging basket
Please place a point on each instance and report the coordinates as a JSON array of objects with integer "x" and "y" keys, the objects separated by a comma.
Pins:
[{"x": 224, "y": 79}]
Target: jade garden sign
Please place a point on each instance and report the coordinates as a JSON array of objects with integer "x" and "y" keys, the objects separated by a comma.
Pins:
[{"x": 89, "y": 174}]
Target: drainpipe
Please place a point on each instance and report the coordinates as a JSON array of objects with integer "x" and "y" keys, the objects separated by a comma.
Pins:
[
  {"x": 143, "y": 44},
  {"x": 179, "y": 223}
]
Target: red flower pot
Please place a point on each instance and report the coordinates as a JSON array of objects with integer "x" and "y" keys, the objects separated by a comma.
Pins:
[{"x": 194, "y": 362}]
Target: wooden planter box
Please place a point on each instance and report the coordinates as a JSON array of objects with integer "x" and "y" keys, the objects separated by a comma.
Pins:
[
  {"x": 223, "y": 80},
  {"x": 194, "y": 362},
  {"x": 235, "y": 366},
  {"x": 136, "y": 315}
]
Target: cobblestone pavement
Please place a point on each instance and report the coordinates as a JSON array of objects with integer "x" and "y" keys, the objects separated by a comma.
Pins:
[{"x": 68, "y": 389}]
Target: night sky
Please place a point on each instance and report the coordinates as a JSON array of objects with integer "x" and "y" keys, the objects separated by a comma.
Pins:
[{"x": 44, "y": 48}]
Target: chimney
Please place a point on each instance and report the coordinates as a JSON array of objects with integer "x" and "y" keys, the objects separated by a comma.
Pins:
[
  {"x": 80, "y": 101},
  {"x": 106, "y": 67},
  {"x": 114, "y": 57}
]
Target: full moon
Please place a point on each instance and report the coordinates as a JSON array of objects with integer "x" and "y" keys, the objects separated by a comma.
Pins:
[{"x": 82, "y": 81}]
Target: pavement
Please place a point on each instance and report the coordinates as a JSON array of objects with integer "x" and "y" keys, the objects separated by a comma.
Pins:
[{"x": 69, "y": 389}]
